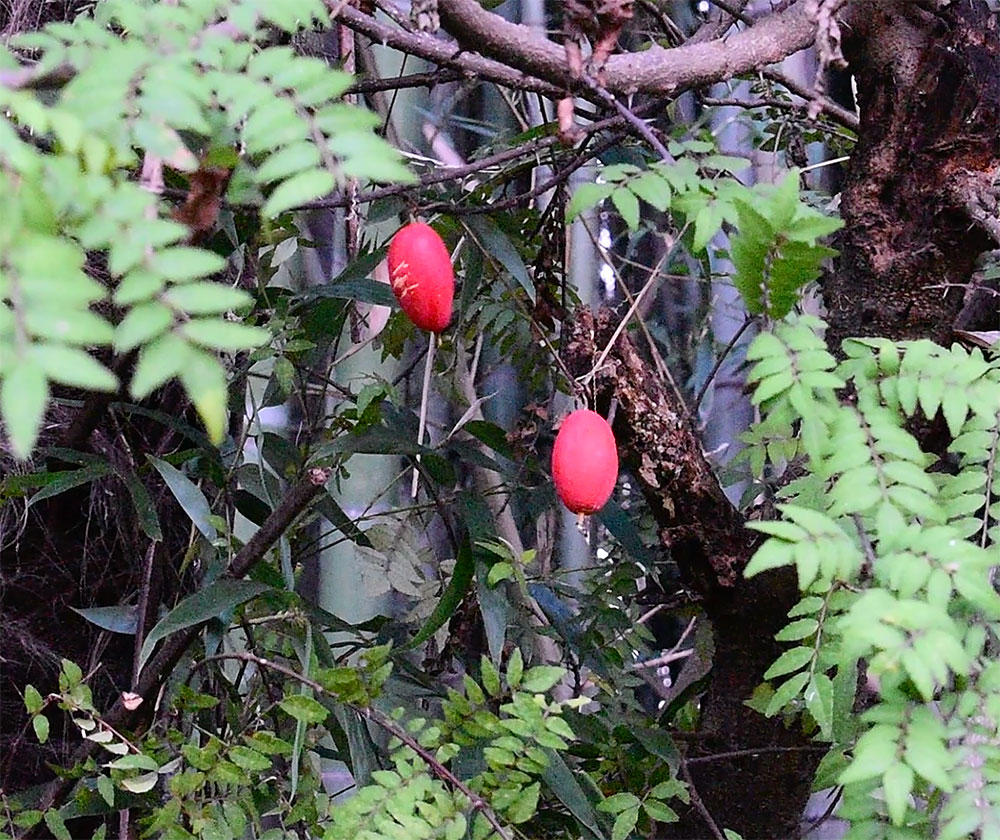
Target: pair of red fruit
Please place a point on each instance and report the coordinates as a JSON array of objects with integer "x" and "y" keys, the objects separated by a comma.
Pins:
[{"x": 585, "y": 457}]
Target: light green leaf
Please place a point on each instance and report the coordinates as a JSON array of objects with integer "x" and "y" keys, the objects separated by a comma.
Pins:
[
  {"x": 23, "y": 397},
  {"x": 33, "y": 701},
  {"x": 217, "y": 334},
  {"x": 627, "y": 205},
  {"x": 73, "y": 367},
  {"x": 625, "y": 823},
  {"x": 618, "y": 802},
  {"x": 141, "y": 325},
  {"x": 204, "y": 298},
  {"x": 304, "y": 709},
  {"x": 897, "y": 782},
  {"x": 298, "y": 190},
  {"x": 541, "y": 678},
  {"x": 585, "y": 197},
  {"x": 183, "y": 263},
  {"x": 204, "y": 380},
  {"x": 140, "y": 784},
  {"x": 523, "y": 808},
  {"x": 40, "y": 724},
  {"x": 158, "y": 362}
]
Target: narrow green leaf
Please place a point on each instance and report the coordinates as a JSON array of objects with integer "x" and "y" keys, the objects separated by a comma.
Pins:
[
  {"x": 188, "y": 496},
  {"x": 214, "y": 600},
  {"x": 454, "y": 593}
]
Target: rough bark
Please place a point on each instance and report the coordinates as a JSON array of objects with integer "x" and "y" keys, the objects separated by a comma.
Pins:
[
  {"x": 705, "y": 535},
  {"x": 920, "y": 188}
]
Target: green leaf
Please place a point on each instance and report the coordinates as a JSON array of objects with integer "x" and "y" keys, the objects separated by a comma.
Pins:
[
  {"x": 188, "y": 496},
  {"x": 217, "y": 334},
  {"x": 897, "y": 782},
  {"x": 652, "y": 189},
  {"x": 143, "y": 504},
  {"x": 625, "y": 823},
  {"x": 55, "y": 824},
  {"x": 304, "y": 709},
  {"x": 298, "y": 190},
  {"x": 214, "y": 600},
  {"x": 23, "y": 397},
  {"x": 585, "y": 197},
  {"x": 454, "y": 594},
  {"x": 141, "y": 784},
  {"x": 818, "y": 695},
  {"x": 515, "y": 668},
  {"x": 790, "y": 661},
  {"x": 158, "y": 362},
  {"x": 788, "y": 690},
  {"x": 617, "y": 803},
  {"x": 525, "y": 805},
  {"x": 562, "y": 782},
  {"x": 490, "y": 677},
  {"x": 136, "y": 761},
  {"x": 33, "y": 701},
  {"x": 107, "y": 789},
  {"x": 182, "y": 263},
  {"x": 40, "y": 724},
  {"x": 141, "y": 325},
  {"x": 659, "y": 811},
  {"x": 121, "y": 619},
  {"x": 73, "y": 367},
  {"x": 497, "y": 245},
  {"x": 202, "y": 298},
  {"x": 204, "y": 380},
  {"x": 541, "y": 678},
  {"x": 627, "y": 205}
]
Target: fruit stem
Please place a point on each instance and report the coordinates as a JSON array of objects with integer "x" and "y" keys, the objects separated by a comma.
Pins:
[{"x": 428, "y": 369}]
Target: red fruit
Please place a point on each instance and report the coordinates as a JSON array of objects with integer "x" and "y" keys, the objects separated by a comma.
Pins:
[
  {"x": 585, "y": 461},
  {"x": 421, "y": 276}
]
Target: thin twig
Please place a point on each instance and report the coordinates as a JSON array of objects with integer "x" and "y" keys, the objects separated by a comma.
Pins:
[
  {"x": 718, "y": 364},
  {"x": 699, "y": 805}
]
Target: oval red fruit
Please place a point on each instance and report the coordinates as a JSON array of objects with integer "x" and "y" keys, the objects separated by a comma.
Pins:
[
  {"x": 421, "y": 276},
  {"x": 585, "y": 461}
]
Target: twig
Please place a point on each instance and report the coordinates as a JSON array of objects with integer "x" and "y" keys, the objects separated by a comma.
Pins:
[
  {"x": 718, "y": 364},
  {"x": 748, "y": 753},
  {"x": 846, "y": 118},
  {"x": 641, "y": 126},
  {"x": 698, "y": 804},
  {"x": 422, "y": 422}
]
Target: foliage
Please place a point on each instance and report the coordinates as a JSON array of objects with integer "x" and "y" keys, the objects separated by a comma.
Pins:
[
  {"x": 492, "y": 695},
  {"x": 892, "y": 547},
  {"x": 171, "y": 83}
]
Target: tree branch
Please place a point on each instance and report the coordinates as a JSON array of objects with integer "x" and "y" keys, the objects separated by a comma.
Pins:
[
  {"x": 656, "y": 70},
  {"x": 437, "y": 50}
]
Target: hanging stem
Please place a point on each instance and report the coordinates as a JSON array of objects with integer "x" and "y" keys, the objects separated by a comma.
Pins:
[{"x": 428, "y": 368}]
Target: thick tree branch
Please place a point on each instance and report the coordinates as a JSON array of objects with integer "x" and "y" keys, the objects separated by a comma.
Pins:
[
  {"x": 656, "y": 70},
  {"x": 437, "y": 50}
]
